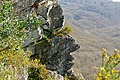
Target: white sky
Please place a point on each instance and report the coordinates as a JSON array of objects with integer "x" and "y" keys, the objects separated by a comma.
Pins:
[{"x": 116, "y": 0}]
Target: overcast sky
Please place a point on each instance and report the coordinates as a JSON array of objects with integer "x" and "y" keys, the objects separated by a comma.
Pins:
[{"x": 116, "y": 0}]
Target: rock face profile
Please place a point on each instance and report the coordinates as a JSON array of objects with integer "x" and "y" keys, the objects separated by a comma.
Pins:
[{"x": 56, "y": 53}]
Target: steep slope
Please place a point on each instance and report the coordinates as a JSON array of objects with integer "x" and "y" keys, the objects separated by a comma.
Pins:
[{"x": 96, "y": 25}]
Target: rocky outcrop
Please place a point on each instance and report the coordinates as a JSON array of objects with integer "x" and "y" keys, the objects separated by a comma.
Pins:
[
  {"x": 56, "y": 56},
  {"x": 56, "y": 53}
]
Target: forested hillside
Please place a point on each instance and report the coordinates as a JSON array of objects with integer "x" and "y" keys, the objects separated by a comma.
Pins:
[{"x": 96, "y": 25}]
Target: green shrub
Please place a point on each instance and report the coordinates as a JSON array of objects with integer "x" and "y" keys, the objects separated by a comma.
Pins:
[{"x": 14, "y": 61}]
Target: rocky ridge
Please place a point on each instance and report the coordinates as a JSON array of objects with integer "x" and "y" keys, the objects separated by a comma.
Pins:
[{"x": 56, "y": 53}]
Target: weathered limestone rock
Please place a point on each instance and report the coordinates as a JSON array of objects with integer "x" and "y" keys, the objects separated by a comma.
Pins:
[
  {"x": 22, "y": 7},
  {"x": 59, "y": 77},
  {"x": 56, "y": 53},
  {"x": 56, "y": 18}
]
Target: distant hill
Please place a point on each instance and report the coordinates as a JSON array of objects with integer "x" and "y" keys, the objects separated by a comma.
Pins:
[
  {"x": 102, "y": 13},
  {"x": 96, "y": 25}
]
